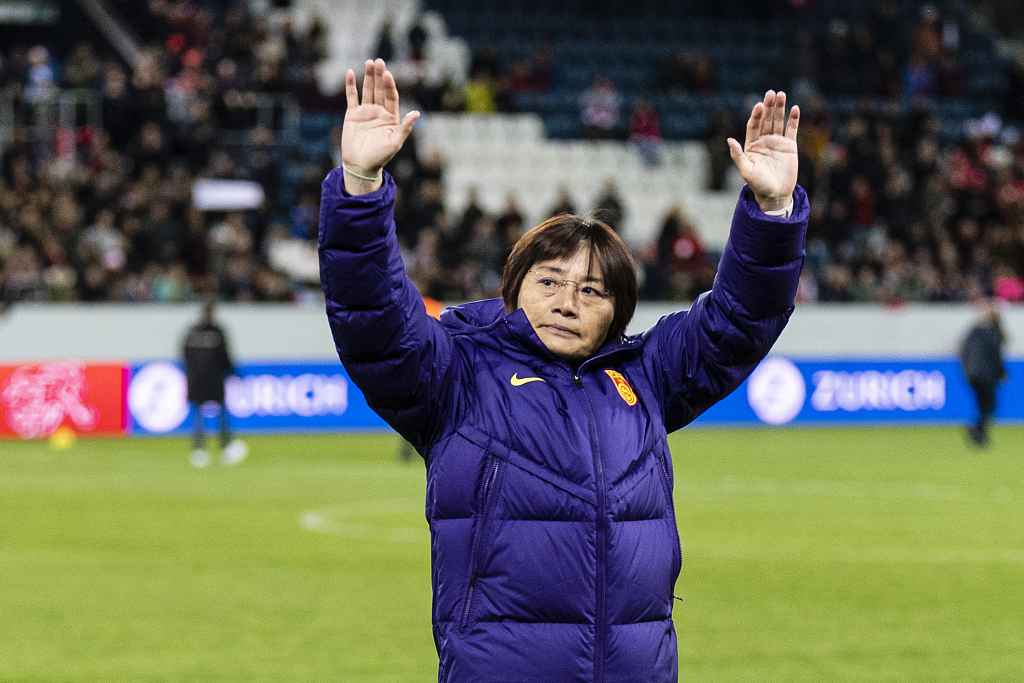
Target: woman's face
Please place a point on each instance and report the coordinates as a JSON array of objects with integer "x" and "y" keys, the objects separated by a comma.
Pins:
[{"x": 570, "y": 312}]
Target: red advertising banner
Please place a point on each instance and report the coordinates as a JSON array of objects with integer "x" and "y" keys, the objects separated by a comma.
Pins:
[{"x": 87, "y": 398}]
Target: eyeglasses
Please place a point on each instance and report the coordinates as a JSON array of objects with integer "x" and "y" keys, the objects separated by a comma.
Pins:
[{"x": 589, "y": 294}]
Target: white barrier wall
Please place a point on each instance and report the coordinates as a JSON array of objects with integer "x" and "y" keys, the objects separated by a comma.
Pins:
[{"x": 282, "y": 332}]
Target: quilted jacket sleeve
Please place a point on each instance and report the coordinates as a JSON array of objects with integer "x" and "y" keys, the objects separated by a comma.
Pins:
[
  {"x": 697, "y": 357},
  {"x": 395, "y": 353}
]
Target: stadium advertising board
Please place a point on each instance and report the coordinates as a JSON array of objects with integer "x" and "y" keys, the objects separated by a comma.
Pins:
[
  {"x": 781, "y": 391},
  {"x": 114, "y": 399},
  {"x": 38, "y": 398},
  {"x": 286, "y": 397},
  {"x": 289, "y": 397}
]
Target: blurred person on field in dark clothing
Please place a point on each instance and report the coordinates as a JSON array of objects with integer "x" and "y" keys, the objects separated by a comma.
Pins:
[
  {"x": 981, "y": 355},
  {"x": 207, "y": 364}
]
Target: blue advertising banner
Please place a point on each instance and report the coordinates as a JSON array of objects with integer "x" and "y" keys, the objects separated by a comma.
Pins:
[
  {"x": 805, "y": 392},
  {"x": 298, "y": 397},
  {"x": 282, "y": 397}
]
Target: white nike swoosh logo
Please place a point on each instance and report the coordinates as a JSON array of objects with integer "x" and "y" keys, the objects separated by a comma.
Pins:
[{"x": 516, "y": 382}]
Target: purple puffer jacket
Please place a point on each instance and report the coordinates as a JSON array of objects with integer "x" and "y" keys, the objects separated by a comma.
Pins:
[{"x": 549, "y": 491}]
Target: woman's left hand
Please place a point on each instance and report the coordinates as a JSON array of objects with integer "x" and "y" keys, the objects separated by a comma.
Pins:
[{"x": 768, "y": 160}]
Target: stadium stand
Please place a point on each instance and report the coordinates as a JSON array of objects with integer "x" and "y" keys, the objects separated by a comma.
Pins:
[
  {"x": 508, "y": 155},
  {"x": 910, "y": 140},
  {"x": 355, "y": 26}
]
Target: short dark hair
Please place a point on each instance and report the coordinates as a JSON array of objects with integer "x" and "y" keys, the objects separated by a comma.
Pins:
[{"x": 562, "y": 236}]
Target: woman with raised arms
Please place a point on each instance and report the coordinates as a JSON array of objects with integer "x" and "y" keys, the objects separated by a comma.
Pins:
[{"x": 543, "y": 426}]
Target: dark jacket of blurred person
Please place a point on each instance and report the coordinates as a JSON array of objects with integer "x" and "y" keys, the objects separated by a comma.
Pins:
[
  {"x": 207, "y": 361},
  {"x": 981, "y": 351}
]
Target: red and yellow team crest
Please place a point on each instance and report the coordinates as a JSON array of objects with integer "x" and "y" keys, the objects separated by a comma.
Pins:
[{"x": 625, "y": 391}]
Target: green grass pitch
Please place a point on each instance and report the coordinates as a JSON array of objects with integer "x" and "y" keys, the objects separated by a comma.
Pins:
[{"x": 808, "y": 555}]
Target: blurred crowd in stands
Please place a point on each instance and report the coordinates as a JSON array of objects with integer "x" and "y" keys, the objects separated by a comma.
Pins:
[
  {"x": 105, "y": 213},
  {"x": 898, "y": 217},
  {"x": 898, "y": 212},
  {"x": 880, "y": 56}
]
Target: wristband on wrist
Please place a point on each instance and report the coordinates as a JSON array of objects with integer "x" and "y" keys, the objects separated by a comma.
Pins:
[
  {"x": 785, "y": 212},
  {"x": 361, "y": 177}
]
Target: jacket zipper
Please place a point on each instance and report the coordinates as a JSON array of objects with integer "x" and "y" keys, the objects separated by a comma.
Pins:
[
  {"x": 671, "y": 509},
  {"x": 599, "y": 612},
  {"x": 478, "y": 543}
]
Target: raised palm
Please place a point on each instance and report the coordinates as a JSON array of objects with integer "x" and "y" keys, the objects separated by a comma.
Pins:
[
  {"x": 373, "y": 131},
  {"x": 768, "y": 160}
]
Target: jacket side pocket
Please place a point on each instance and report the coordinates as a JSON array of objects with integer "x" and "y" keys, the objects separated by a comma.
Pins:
[{"x": 481, "y": 532}]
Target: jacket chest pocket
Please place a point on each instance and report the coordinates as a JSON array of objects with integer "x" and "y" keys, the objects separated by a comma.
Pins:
[{"x": 482, "y": 531}]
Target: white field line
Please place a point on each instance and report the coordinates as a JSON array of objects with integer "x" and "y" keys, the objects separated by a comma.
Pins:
[
  {"x": 366, "y": 519},
  {"x": 733, "y": 486}
]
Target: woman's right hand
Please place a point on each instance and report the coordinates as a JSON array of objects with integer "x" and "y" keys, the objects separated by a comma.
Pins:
[
  {"x": 373, "y": 132},
  {"x": 768, "y": 161}
]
